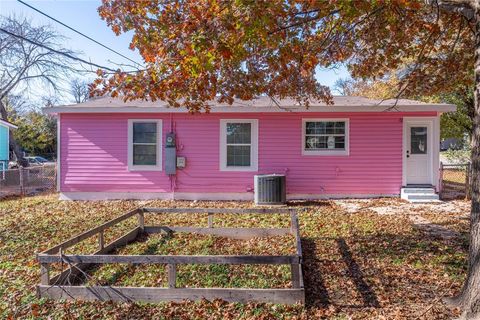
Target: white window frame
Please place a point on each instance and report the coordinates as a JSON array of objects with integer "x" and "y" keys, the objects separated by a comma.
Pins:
[
  {"x": 253, "y": 149},
  {"x": 131, "y": 166},
  {"x": 327, "y": 152}
]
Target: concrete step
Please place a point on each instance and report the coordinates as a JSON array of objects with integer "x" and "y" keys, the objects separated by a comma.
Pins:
[
  {"x": 425, "y": 201},
  {"x": 419, "y": 194},
  {"x": 418, "y": 190},
  {"x": 423, "y": 197}
]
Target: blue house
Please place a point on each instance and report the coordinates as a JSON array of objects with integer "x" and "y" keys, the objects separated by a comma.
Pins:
[{"x": 5, "y": 126}]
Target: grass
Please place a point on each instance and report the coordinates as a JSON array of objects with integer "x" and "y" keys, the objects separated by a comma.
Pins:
[
  {"x": 244, "y": 276},
  {"x": 357, "y": 265}
]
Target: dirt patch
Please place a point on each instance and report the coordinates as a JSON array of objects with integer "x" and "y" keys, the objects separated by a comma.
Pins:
[{"x": 432, "y": 229}]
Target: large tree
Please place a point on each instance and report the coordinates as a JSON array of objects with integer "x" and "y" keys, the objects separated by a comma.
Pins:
[
  {"x": 27, "y": 63},
  {"x": 79, "y": 90},
  {"x": 197, "y": 51},
  {"x": 458, "y": 124},
  {"x": 36, "y": 133}
]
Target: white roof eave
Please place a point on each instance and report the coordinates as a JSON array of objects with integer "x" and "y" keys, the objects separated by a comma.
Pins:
[
  {"x": 8, "y": 124},
  {"x": 244, "y": 109}
]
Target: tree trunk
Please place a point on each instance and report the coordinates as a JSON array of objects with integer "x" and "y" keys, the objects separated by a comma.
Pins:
[
  {"x": 13, "y": 143},
  {"x": 469, "y": 298}
]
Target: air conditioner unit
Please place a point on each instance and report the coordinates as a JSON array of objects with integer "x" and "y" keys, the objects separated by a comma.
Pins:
[{"x": 270, "y": 189}]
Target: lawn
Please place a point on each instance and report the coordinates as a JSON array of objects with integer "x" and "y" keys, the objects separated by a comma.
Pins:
[{"x": 358, "y": 264}]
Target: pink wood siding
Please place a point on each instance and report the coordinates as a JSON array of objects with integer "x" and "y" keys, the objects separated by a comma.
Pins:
[{"x": 94, "y": 154}]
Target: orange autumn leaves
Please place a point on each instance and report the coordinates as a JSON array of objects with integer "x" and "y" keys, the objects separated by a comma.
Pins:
[{"x": 199, "y": 51}]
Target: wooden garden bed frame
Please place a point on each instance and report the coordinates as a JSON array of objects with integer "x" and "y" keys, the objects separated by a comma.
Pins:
[{"x": 63, "y": 285}]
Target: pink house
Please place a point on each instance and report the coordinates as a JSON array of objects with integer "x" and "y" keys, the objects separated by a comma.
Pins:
[{"x": 358, "y": 147}]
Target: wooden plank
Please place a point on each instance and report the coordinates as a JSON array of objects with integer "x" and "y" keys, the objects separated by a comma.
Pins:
[
  {"x": 141, "y": 220},
  {"x": 154, "y": 295},
  {"x": 217, "y": 210},
  {"x": 82, "y": 236},
  {"x": 235, "y": 233},
  {"x": 70, "y": 274},
  {"x": 300, "y": 276},
  {"x": 101, "y": 240},
  {"x": 468, "y": 171},
  {"x": 172, "y": 275},
  {"x": 296, "y": 232},
  {"x": 295, "y": 270},
  {"x": 292, "y": 222},
  {"x": 210, "y": 220},
  {"x": 44, "y": 274},
  {"x": 168, "y": 259},
  {"x": 121, "y": 241}
]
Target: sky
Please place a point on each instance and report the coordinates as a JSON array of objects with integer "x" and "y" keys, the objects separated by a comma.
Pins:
[{"x": 82, "y": 15}]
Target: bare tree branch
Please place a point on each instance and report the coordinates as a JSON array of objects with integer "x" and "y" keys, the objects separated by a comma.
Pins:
[
  {"x": 79, "y": 90},
  {"x": 26, "y": 63},
  {"x": 463, "y": 7}
]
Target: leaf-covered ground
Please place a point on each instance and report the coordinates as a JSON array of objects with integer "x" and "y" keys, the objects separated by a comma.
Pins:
[
  {"x": 363, "y": 260},
  {"x": 454, "y": 215},
  {"x": 207, "y": 276}
]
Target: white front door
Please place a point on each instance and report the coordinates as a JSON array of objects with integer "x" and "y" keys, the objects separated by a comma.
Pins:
[{"x": 418, "y": 151}]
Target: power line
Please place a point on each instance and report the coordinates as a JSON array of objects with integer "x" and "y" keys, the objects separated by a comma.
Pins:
[
  {"x": 56, "y": 51},
  {"x": 76, "y": 31}
]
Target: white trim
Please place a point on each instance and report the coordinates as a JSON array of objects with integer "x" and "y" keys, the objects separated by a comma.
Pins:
[
  {"x": 8, "y": 145},
  {"x": 299, "y": 196},
  {"x": 59, "y": 137},
  {"x": 436, "y": 153},
  {"x": 7, "y": 124},
  {"x": 262, "y": 109},
  {"x": 213, "y": 196},
  {"x": 158, "y": 166},
  {"x": 253, "y": 150},
  {"x": 115, "y": 195},
  {"x": 434, "y": 141},
  {"x": 327, "y": 152}
]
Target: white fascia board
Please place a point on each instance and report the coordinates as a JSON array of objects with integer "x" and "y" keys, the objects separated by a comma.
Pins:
[
  {"x": 234, "y": 109},
  {"x": 7, "y": 124}
]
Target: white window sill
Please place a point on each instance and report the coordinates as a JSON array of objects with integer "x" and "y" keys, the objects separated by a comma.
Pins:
[
  {"x": 325, "y": 152},
  {"x": 240, "y": 169},
  {"x": 144, "y": 168}
]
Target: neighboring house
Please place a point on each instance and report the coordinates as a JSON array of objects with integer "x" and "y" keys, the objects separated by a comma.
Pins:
[
  {"x": 451, "y": 143},
  {"x": 358, "y": 147},
  {"x": 5, "y": 127}
]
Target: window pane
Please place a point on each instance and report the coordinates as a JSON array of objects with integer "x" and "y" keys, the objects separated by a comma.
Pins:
[
  {"x": 310, "y": 127},
  {"x": 145, "y": 155},
  {"x": 144, "y": 132},
  {"x": 238, "y": 156},
  {"x": 325, "y": 127},
  {"x": 330, "y": 127},
  {"x": 418, "y": 140},
  {"x": 239, "y": 133},
  {"x": 315, "y": 142},
  {"x": 315, "y": 127},
  {"x": 324, "y": 142},
  {"x": 339, "y": 142},
  {"x": 340, "y": 127}
]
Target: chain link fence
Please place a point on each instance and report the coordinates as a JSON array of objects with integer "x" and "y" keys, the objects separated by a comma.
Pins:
[
  {"x": 26, "y": 181},
  {"x": 455, "y": 181}
]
